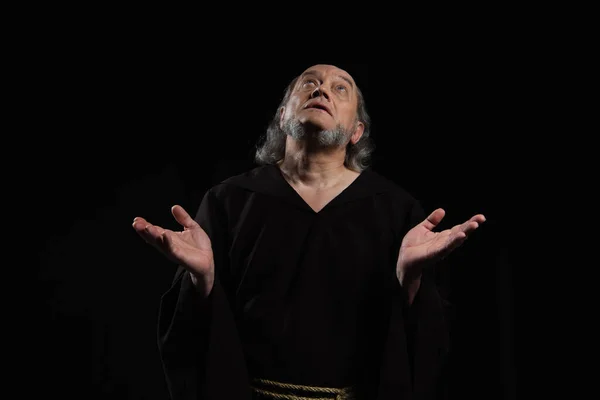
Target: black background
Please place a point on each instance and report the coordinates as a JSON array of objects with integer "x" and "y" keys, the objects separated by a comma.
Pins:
[{"x": 135, "y": 124}]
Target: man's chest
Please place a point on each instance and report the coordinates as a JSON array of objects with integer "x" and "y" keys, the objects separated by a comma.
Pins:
[
  {"x": 318, "y": 200},
  {"x": 275, "y": 246}
]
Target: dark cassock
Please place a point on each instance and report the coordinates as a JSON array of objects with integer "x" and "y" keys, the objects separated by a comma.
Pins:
[{"x": 305, "y": 304}]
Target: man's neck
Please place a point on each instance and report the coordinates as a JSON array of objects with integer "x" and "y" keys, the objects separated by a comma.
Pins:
[{"x": 315, "y": 169}]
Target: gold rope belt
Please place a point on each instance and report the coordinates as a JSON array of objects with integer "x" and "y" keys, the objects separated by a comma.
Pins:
[{"x": 268, "y": 389}]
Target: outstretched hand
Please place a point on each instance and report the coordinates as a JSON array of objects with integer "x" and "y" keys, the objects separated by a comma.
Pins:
[
  {"x": 190, "y": 248},
  {"x": 421, "y": 246}
]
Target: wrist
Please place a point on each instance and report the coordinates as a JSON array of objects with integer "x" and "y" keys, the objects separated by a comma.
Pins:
[
  {"x": 411, "y": 282},
  {"x": 203, "y": 284},
  {"x": 408, "y": 276}
]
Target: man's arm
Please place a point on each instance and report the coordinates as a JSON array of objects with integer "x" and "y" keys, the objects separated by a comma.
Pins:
[
  {"x": 411, "y": 285},
  {"x": 198, "y": 341}
]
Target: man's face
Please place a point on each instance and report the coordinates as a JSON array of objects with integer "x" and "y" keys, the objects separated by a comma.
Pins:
[{"x": 324, "y": 98}]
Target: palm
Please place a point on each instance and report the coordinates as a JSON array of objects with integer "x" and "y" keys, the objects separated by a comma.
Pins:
[
  {"x": 190, "y": 247},
  {"x": 422, "y": 246}
]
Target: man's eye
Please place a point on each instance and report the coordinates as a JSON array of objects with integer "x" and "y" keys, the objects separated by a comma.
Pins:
[
  {"x": 341, "y": 88},
  {"x": 309, "y": 83}
]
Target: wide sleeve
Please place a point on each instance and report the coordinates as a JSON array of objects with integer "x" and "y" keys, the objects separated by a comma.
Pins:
[
  {"x": 427, "y": 326},
  {"x": 198, "y": 343},
  {"x": 416, "y": 340}
]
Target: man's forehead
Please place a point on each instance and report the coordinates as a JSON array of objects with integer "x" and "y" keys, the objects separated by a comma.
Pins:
[{"x": 327, "y": 69}]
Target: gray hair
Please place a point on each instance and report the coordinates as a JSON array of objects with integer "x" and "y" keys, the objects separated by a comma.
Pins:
[{"x": 271, "y": 146}]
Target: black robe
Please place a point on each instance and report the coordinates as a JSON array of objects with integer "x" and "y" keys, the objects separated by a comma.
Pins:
[{"x": 304, "y": 297}]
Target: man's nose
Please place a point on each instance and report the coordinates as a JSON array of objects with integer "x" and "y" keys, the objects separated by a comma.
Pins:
[{"x": 319, "y": 91}]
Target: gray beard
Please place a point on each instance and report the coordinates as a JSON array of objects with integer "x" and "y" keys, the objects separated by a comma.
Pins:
[{"x": 337, "y": 137}]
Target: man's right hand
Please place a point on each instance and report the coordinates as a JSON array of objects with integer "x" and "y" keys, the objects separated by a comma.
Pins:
[{"x": 190, "y": 248}]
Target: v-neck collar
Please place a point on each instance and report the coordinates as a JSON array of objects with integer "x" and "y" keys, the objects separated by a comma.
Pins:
[
  {"x": 269, "y": 180},
  {"x": 305, "y": 203}
]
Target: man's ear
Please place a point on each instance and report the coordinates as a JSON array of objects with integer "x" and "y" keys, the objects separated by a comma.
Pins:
[
  {"x": 358, "y": 132},
  {"x": 281, "y": 115}
]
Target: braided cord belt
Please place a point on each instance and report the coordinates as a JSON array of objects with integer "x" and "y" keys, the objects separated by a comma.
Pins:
[{"x": 269, "y": 389}]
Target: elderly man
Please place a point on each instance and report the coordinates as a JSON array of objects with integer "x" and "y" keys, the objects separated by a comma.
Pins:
[{"x": 306, "y": 277}]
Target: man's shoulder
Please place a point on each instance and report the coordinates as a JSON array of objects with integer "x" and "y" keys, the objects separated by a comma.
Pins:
[
  {"x": 252, "y": 179},
  {"x": 267, "y": 179},
  {"x": 388, "y": 186}
]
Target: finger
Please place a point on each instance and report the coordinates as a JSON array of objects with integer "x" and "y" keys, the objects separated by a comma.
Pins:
[
  {"x": 154, "y": 231},
  {"x": 479, "y": 218},
  {"x": 139, "y": 223},
  {"x": 150, "y": 233},
  {"x": 468, "y": 227},
  {"x": 455, "y": 239},
  {"x": 458, "y": 234},
  {"x": 472, "y": 224},
  {"x": 183, "y": 217},
  {"x": 434, "y": 219}
]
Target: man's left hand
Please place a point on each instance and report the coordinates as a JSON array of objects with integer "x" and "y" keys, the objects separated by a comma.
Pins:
[{"x": 422, "y": 247}]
